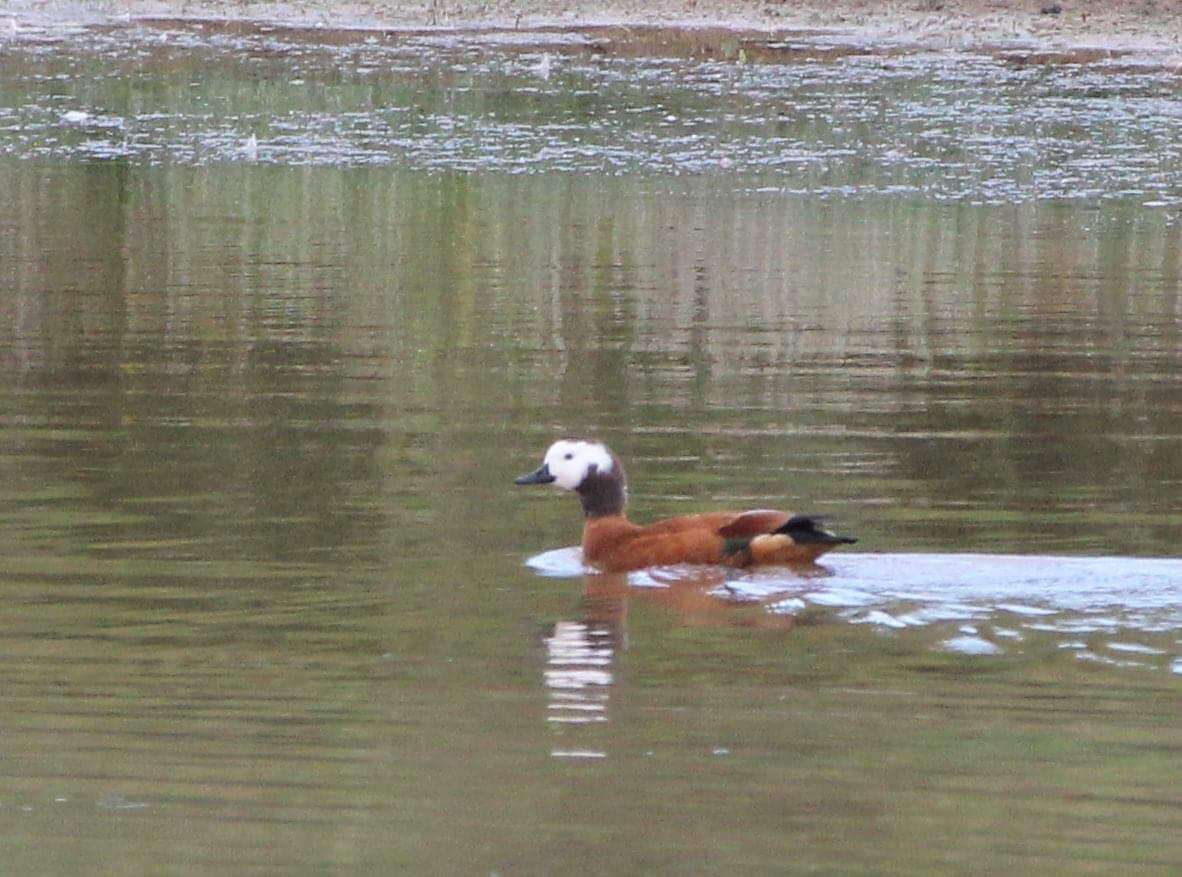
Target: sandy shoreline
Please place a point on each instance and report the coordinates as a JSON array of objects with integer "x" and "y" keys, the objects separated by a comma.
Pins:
[{"x": 1146, "y": 31}]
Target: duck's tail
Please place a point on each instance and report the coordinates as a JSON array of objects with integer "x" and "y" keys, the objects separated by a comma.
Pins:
[{"x": 804, "y": 530}]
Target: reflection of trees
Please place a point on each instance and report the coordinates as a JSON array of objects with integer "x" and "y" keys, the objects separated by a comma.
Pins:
[
  {"x": 201, "y": 354},
  {"x": 278, "y": 333},
  {"x": 1053, "y": 400}
]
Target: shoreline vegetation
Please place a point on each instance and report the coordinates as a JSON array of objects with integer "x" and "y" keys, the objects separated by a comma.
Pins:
[{"x": 1145, "y": 33}]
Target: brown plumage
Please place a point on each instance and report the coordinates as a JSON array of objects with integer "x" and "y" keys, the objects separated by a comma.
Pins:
[{"x": 612, "y": 543}]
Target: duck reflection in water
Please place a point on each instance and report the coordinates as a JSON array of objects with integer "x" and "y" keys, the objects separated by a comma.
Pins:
[{"x": 581, "y": 652}]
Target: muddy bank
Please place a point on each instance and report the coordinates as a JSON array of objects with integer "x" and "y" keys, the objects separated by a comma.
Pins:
[{"x": 1144, "y": 32}]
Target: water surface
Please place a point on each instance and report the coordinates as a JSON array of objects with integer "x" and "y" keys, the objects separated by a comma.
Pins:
[{"x": 282, "y": 318}]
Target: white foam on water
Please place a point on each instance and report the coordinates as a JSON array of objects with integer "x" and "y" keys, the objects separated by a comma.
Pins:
[
  {"x": 1128, "y": 605},
  {"x": 971, "y": 645}
]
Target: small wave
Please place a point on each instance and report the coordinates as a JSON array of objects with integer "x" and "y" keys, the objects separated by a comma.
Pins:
[{"x": 992, "y": 603}]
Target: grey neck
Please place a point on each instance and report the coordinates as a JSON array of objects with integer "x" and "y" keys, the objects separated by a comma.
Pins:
[{"x": 603, "y": 495}]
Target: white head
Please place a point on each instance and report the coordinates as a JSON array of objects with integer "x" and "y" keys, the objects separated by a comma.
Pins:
[{"x": 569, "y": 462}]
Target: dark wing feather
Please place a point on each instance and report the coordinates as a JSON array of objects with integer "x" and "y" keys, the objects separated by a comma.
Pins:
[{"x": 747, "y": 525}]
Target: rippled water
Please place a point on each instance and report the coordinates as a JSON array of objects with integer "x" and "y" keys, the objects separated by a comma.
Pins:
[
  {"x": 283, "y": 314},
  {"x": 1118, "y": 610},
  {"x": 945, "y": 127}
]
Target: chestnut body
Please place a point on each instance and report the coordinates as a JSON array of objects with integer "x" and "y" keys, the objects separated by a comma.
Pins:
[{"x": 612, "y": 543}]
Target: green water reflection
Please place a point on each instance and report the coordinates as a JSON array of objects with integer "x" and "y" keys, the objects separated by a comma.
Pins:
[{"x": 264, "y": 605}]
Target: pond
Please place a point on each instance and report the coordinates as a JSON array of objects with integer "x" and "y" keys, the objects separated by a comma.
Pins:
[{"x": 284, "y": 313}]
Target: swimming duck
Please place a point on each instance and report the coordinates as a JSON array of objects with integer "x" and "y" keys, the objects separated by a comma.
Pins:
[{"x": 612, "y": 543}]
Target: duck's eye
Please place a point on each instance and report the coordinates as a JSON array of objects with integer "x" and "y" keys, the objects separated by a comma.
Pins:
[{"x": 569, "y": 457}]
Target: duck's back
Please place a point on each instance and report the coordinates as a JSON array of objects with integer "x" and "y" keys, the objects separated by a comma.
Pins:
[{"x": 614, "y": 544}]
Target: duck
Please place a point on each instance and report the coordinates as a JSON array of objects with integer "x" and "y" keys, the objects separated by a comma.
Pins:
[{"x": 612, "y": 543}]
